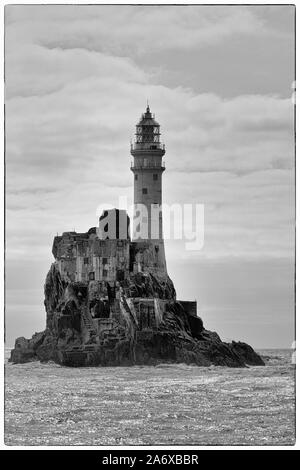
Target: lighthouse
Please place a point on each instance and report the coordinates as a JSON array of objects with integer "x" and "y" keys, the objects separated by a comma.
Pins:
[{"x": 148, "y": 167}]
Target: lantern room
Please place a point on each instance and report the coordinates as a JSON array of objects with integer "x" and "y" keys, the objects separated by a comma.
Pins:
[{"x": 147, "y": 136}]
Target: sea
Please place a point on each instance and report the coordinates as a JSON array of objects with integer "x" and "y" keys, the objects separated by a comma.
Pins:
[{"x": 167, "y": 404}]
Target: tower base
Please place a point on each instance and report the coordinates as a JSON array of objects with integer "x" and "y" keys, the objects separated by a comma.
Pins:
[{"x": 148, "y": 256}]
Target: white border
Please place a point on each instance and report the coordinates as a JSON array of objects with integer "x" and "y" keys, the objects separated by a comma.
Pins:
[{"x": 119, "y": 448}]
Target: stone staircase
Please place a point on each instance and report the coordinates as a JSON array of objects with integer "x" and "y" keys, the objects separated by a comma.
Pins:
[
  {"x": 88, "y": 322},
  {"x": 128, "y": 310}
]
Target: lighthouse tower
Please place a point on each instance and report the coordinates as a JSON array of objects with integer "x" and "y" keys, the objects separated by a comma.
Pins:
[{"x": 148, "y": 167}]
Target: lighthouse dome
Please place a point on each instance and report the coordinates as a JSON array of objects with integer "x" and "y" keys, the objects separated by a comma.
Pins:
[{"x": 147, "y": 119}]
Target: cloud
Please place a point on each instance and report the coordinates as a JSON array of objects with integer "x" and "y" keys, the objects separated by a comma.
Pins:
[
  {"x": 129, "y": 30},
  {"x": 34, "y": 70}
]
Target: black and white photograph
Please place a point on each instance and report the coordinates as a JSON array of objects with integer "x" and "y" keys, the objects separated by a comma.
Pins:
[{"x": 150, "y": 220}]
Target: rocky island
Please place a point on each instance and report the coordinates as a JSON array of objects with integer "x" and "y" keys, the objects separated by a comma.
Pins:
[{"x": 109, "y": 300}]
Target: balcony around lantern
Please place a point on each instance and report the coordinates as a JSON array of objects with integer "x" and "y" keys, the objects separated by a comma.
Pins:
[
  {"x": 148, "y": 165},
  {"x": 147, "y": 148}
]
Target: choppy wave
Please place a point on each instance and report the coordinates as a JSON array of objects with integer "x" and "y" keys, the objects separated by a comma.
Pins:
[{"x": 168, "y": 404}]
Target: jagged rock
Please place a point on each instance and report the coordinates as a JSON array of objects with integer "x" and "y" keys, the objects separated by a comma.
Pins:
[
  {"x": 136, "y": 320},
  {"x": 22, "y": 351},
  {"x": 25, "y": 349},
  {"x": 149, "y": 285},
  {"x": 247, "y": 353}
]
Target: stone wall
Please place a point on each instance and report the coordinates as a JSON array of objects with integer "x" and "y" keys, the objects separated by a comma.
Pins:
[
  {"x": 84, "y": 257},
  {"x": 190, "y": 306}
]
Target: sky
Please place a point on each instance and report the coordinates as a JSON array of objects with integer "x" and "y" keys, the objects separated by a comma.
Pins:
[{"x": 220, "y": 81}]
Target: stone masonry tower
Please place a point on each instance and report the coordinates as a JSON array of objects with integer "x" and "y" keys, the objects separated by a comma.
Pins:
[{"x": 148, "y": 168}]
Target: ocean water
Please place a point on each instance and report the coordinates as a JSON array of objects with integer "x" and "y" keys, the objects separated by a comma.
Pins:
[{"x": 46, "y": 404}]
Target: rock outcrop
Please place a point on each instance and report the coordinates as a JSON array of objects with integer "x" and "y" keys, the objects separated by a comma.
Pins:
[{"x": 135, "y": 321}]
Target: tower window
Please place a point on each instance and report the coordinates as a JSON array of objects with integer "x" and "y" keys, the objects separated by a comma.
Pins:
[
  {"x": 92, "y": 276},
  {"x": 104, "y": 260},
  {"x": 135, "y": 176},
  {"x": 86, "y": 261},
  {"x": 145, "y": 191},
  {"x": 155, "y": 177},
  {"x": 104, "y": 273}
]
